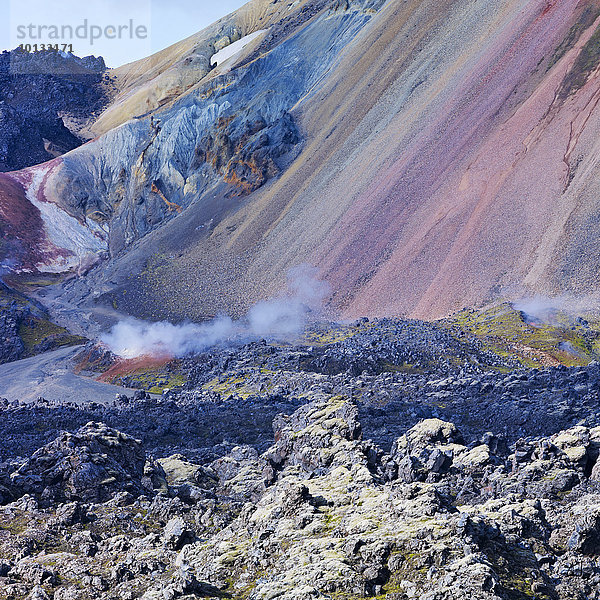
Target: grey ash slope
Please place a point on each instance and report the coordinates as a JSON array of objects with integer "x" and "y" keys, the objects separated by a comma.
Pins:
[
  {"x": 213, "y": 141},
  {"x": 349, "y": 135}
]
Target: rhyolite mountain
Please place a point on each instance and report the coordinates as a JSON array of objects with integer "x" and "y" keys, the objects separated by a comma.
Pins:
[{"x": 425, "y": 155}]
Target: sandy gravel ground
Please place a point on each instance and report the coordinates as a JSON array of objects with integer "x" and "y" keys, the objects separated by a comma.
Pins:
[{"x": 51, "y": 376}]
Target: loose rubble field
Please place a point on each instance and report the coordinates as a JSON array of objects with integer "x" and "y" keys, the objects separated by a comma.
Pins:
[{"x": 388, "y": 459}]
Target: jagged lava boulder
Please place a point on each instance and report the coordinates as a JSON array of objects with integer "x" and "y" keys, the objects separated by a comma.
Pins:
[
  {"x": 312, "y": 436},
  {"x": 90, "y": 465}
]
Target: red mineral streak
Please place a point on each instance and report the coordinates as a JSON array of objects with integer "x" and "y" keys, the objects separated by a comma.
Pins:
[
  {"x": 26, "y": 176},
  {"x": 24, "y": 237}
]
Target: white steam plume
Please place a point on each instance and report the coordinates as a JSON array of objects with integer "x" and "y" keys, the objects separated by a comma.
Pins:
[{"x": 283, "y": 316}]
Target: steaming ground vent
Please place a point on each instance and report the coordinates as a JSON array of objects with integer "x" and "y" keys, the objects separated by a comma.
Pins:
[{"x": 279, "y": 317}]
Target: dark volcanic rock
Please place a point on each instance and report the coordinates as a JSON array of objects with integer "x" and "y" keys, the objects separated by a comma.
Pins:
[
  {"x": 11, "y": 344},
  {"x": 321, "y": 512},
  {"x": 301, "y": 438},
  {"x": 202, "y": 426},
  {"x": 36, "y": 91},
  {"x": 473, "y": 483},
  {"x": 90, "y": 465}
]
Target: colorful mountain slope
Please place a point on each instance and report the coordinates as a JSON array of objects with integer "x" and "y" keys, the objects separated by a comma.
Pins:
[{"x": 425, "y": 155}]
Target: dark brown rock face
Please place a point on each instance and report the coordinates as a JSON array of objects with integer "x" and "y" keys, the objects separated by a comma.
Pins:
[{"x": 37, "y": 90}]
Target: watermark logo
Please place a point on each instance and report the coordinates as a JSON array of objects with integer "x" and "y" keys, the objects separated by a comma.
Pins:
[
  {"x": 47, "y": 33},
  {"x": 50, "y": 35}
]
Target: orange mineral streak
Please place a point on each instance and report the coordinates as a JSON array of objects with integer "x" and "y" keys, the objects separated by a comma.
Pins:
[
  {"x": 170, "y": 205},
  {"x": 129, "y": 366}
]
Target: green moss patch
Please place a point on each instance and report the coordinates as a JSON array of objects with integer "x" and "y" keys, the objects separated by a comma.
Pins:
[
  {"x": 559, "y": 339},
  {"x": 40, "y": 335}
]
